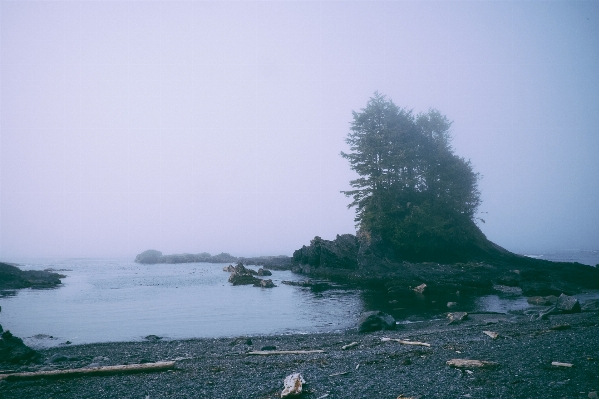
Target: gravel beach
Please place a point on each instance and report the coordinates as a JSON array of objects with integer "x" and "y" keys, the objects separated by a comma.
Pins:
[{"x": 522, "y": 354}]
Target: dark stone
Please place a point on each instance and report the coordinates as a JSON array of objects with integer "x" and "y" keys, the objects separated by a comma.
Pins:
[
  {"x": 268, "y": 348},
  {"x": 229, "y": 269},
  {"x": 243, "y": 279},
  {"x": 457, "y": 317},
  {"x": 13, "y": 350},
  {"x": 375, "y": 320},
  {"x": 152, "y": 337},
  {"x": 265, "y": 284},
  {"x": 264, "y": 272},
  {"x": 340, "y": 253},
  {"x": 568, "y": 304}
]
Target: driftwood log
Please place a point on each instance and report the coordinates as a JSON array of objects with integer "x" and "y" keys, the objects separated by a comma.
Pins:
[
  {"x": 404, "y": 342},
  {"x": 120, "y": 369},
  {"x": 266, "y": 353}
]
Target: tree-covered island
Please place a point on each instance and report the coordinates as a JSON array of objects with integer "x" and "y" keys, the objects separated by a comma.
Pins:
[{"x": 416, "y": 207}]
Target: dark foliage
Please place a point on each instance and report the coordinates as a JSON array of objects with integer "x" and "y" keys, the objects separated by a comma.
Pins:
[{"x": 412, "y": 192}]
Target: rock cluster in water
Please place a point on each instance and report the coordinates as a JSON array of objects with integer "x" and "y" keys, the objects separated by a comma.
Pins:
[{"x": 240, "y": 275}]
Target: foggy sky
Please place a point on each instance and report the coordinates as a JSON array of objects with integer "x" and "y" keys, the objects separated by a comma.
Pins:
[{"x": 211, "y": 126}]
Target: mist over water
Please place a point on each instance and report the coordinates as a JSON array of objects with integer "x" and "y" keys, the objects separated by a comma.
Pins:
[{"x": 217, "y": 126}]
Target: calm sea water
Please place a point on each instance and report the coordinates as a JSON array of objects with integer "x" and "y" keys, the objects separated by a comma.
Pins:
[{"x": 104, "y": 300}]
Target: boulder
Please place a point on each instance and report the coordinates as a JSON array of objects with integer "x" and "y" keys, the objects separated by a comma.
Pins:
[
  {"x": 375, "y": 320},
  {"x": 266, "y": 284},
  {"x": 568, "y": 304},
  {"x": 421, "y": 289},
  {"x": 229, "y": 269},
  {"x": 264, "y": 272},
  {"x": 457, "y": 317},
  {"x": 243, "y": 279}
]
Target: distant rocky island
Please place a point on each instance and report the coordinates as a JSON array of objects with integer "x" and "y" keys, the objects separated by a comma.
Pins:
[{"x": 152, "y": 256}]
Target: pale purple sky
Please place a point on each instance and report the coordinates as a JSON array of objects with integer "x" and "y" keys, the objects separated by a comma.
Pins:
[{"x": 217, "y": 126}]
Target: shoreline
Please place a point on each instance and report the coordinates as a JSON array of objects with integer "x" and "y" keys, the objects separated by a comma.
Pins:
[{"x": 222, "y": 367}]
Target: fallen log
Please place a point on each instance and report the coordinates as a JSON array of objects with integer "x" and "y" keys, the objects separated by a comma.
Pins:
[
  {"x": 348, "y": 346},
  {"x": 560, "y": 364},
  {"x": 467, "y": 363},
  {"x": 404, "y": 342},
  {"x": 104, "y": 370},
  {"x": 266, "y": 353}
]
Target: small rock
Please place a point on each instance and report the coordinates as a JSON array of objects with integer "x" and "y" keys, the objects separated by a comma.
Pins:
[
  {"x": 451, "y": 305},
  {"x": 568, "y": 304},
  {"x": 375, "y": 320},
  {"x": 264, "y": 272},
  {"x": 293, "y": 385},
  {"x": 229, "y": 269},
  {"x": 152, "y": 337},
  {"x": 491, "y": 334},
  {"x": 457, "y": 317},
  {"x": 421, "y": 289},
  {"x": 593, "y": 395}
]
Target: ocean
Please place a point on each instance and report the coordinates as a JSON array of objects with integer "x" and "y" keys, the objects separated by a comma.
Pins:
[{"x": 108, "y": 300}]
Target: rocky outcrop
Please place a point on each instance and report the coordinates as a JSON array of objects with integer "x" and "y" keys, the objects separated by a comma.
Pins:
[
  {"x": 13, "y": 350},
  {"x": 365, "y": 261},
  {"x": 341, "y": 253},
  {"x": 11, "y": 277},
  {"x": 243, "y": 276},
  {"x": 375, "y": 321},
  {"x": 266, "y": 284},
  {"x": 264, "y": 272}
]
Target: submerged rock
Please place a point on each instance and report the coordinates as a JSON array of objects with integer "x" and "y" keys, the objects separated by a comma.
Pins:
[{"x": 375, "y": 320}]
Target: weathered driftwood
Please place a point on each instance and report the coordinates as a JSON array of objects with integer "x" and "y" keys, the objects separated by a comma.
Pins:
[
  {"x": 404, "y": 342},
  {"x": 120, "y": 369},
  {"x": 348, "y": 346},
  {"x": 491, "y": 334},
  {"x": 560, "y": 364},
  {"x": 468, "y": 363},
  {"x": 338, "y": 374},
  {"x": 266, "y": 353}
]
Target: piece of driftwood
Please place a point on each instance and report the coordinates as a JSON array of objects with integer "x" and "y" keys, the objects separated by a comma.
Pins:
[
  {"x": 266, "y": 353},
  {"x": 491, "y": 334},
  {"x": 468, "y": 363},
  {"x": 560, "y": 364},
  {"x": 337, "y": 374},
  {"x": 348, "y": 346},
  {"x": 404, "y": 342},
  {"x": 120, "y": 369}
]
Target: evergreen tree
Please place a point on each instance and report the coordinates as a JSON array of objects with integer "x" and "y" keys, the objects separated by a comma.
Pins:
[{"x": 412, "y": 192}]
